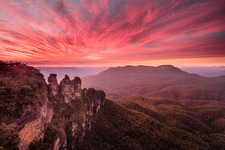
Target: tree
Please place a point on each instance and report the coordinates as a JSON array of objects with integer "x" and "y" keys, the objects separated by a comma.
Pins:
[{"x": 9, "y": 138}]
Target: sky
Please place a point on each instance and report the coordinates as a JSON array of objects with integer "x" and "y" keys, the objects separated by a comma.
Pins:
[{"x": 113, "y": 32}]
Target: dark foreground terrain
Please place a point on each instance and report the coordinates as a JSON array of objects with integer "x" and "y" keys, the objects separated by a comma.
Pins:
[{"x": 39, "y": 115}]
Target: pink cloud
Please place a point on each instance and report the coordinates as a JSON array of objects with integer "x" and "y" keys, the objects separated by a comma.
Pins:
[{"x": 85, "y": 31}]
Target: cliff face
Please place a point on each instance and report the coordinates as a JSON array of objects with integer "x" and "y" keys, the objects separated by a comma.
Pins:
[
  {"x": 81, "y": 105},
  {"x": 35, "y": 128},
  {"x": 41, "y": 116},
  {"x": 24, "y": 103},
  {"x": 53, "y": 87}
]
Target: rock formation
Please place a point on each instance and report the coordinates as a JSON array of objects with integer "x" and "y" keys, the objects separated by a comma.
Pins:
[
  {"x": 53, "y": 85},
  {"x": 34, "y": 119},
  {"x": 77, "y": 86},
  {"x": 66, "y": 90},
  {"x": 53, "y": 116},
  {"x": 85, "y": 103},
  {"x": 35, "y": 128},
  {"x": 24, "y": 103}
]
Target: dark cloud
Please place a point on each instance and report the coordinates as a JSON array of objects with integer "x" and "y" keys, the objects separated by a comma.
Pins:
[{"x": 220, "y": 35}]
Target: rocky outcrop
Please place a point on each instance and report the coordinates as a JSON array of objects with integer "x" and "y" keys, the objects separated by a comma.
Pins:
[
  {"x": 53, "y": 86},
  {"x": 77, "y": 129},
  {"x": 34, "y": 130},
  {"x": 35, "y": 118},
  {"x": 41, "y": 116},
  {"x": 61, "y": 141},
  {"x": 77, "y": 86},
  {"x": 67, "y": 90},
  {"x": 24, "y": 103},
  {"x": 84, "y": 104}
]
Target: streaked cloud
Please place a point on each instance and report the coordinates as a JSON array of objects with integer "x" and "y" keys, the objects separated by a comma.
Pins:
[{"x": 86, "y": 31}]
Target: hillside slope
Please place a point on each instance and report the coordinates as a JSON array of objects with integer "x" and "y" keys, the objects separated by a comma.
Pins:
[{"x": 171, "y": 126}]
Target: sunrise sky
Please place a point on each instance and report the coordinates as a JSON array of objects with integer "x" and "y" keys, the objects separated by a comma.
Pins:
[{"x": 113, "y": 32}]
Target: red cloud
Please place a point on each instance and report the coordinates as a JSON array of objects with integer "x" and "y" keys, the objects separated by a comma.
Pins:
[{"x": 122, "y": 30}]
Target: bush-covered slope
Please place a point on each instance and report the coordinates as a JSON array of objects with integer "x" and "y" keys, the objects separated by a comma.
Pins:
[
  {"x": 197, "y": 117},
  {"x": 133, "y": 127},
  {"x": 20, "y": 86}
]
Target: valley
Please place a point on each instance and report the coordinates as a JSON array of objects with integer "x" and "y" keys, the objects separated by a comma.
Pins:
[{"x": 143, "y": 107}]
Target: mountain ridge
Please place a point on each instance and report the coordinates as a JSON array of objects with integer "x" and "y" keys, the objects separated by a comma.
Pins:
[
  {"x": 164, "y": 80},
  {"x": 141, "y": 68}
]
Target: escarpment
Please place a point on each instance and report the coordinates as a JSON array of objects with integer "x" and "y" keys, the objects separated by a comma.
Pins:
[
  {"x": 73, "y": 111},
  {"x": 36, "y": 115},
  {"x": 24, "y": 105},
  {"x": 74, "y": 108}
]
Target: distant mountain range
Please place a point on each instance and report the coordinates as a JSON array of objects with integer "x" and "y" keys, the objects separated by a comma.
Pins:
[
  {"x": 207, "y": 71},
  {"x": 162, "y": 81}
]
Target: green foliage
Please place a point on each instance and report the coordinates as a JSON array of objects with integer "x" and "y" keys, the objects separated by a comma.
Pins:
[
  {"x": 20, "y": 86},
  {"x": 119, "y": 128},
  {"x": 9, "y": 138},
  {"x": 198, "y": 120}
]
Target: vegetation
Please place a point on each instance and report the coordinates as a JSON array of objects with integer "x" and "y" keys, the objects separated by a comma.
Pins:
[
  {"x": 133, "y": 122},
  {"x": 203, "y": 119},
  {"x": 20, "y": 86},
  {"x": 9, "y": 138},
  {"x": 117, "y": 127},
  {"x": 64, "y": 115}
]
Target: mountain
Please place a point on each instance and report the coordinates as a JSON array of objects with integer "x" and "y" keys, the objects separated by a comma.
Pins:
[
  {"x": 162, "y": 81},
  {"x": 63, "y": 116},
  {"x": 214, "y": 71}
]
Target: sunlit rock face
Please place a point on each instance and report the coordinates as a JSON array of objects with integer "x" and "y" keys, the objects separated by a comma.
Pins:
[
  {"x": 53, "y": 85},
  {"x": 77, "y": 86},
  {"x": 24, "y": 95},
  {"x": 60, "y": 142},
  {"x": 69, "y": 89},
  {"x": 35, "y": 128},
  {"x": 35, "y": 118},
  {"x": 66, "y": 89}
]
